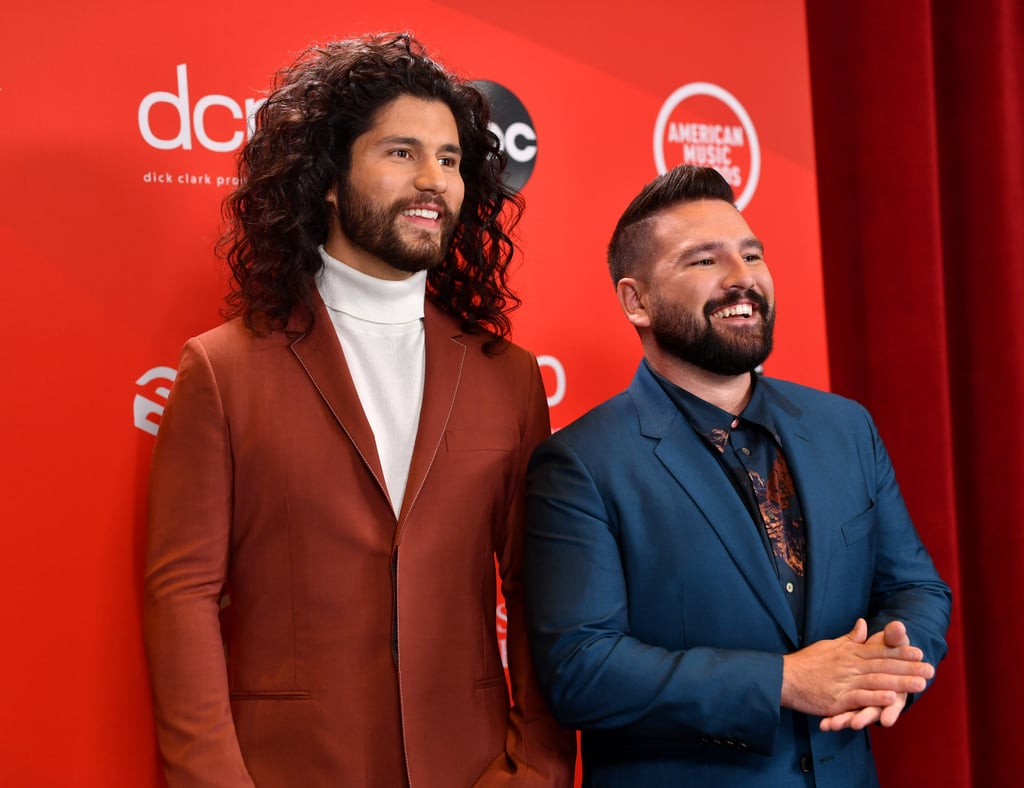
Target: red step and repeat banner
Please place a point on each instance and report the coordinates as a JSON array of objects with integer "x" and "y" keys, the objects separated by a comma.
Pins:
[{"x": 119, "y": 125}]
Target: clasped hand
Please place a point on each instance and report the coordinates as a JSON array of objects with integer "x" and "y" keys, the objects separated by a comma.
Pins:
[{"x": 854, "y": 681}]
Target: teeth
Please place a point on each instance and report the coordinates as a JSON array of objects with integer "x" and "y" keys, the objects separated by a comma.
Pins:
[
  {"x": 739, "y": 310},
  {"x": 425, "y": 213}
]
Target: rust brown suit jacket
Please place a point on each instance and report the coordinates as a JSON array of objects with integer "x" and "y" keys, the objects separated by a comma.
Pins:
[{"x": 361, "y": 647}]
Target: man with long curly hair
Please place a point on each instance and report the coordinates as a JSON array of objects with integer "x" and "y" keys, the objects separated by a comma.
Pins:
[{"x": 339, "y": 469}]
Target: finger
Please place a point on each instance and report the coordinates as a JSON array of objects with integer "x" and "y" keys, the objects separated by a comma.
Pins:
[
  {"x": 892, "y": 682},
  {"x": 854, "y": 700},
  {"x": 877, "y": 639},
  {"x": 875, "y": 652},
  {"x": 896, "y": 634},
  {"x": 837, "y": 722},
  {"x": 892, "y": 712},
  {"x": 876, "y": 647},
  {"x": 895, "y": 667},
  {"x": 863, "y": 661},
  {"x": 865, "y": 717},
  {"x": 859, "y": 633}
]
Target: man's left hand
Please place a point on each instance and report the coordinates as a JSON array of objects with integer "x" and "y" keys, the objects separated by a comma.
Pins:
[{"x": 894, "y": 634}]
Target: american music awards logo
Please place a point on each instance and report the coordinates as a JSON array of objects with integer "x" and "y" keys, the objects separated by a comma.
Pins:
[{"x": 704, "y": 124}]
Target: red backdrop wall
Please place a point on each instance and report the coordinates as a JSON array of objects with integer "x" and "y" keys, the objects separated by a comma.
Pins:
[{"x": 118, "y": 127}]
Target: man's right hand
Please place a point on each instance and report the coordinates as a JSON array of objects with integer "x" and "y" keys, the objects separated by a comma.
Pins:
[{"x": 850, "y": 673}]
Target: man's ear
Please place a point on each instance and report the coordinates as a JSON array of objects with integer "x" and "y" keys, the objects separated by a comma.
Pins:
[
  {"x": 333, "y": 222},
  {"x": 633, "y": 298}
]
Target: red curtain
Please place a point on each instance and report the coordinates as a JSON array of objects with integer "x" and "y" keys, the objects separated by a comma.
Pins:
[{"x": 919, "y": 131}]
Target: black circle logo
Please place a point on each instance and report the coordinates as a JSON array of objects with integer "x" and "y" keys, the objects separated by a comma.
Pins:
[{"x": 512, "y": 124}]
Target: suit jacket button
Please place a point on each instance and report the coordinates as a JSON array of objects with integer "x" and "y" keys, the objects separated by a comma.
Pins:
[{"x": 806, "y": 764}]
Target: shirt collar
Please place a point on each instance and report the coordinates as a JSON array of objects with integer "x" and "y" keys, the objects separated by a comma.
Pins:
[
  {"x": 344, "y": 289},
  {"x": 711, "y": 421}
]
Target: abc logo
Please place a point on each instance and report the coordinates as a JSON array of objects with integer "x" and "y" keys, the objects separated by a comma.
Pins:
[{"x": 511, "y": 123}]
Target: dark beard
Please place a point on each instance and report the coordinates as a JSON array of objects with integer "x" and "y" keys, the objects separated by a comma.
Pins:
[
  {"x": 373, "y": 228},
  {"x": 697, "y": 342}
]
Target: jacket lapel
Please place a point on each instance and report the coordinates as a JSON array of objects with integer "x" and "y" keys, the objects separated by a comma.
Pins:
[
  {"x": 809, "y": 463},
  {"x": 445, "y": 355},
  {"x": 319, "y": 352},
  {"x": 702, "y": 478}
]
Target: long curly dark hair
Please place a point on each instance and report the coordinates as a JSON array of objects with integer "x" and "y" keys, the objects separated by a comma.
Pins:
[{"x": 301, "y": 148}]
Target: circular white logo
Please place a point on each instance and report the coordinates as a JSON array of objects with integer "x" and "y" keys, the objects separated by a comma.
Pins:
[
  {"x": 703, "y": 124},
  {"x": 512, "y": 125}
]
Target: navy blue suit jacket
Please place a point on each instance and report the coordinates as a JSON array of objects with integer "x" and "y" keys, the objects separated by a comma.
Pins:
[{"x": 657, "y": 621}]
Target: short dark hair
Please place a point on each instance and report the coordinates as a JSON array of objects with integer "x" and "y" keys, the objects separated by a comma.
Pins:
[
  {"x": 301, "y": 148},
  {"x": 632, "y": 244}
]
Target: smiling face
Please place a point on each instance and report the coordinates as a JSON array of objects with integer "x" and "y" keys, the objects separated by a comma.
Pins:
[
  {"x": 399, "y": 207},
  {"x": 707, "y": 298}
]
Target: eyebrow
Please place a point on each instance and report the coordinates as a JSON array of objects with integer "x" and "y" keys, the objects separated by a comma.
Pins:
[
  {"x": 416, "y": 142},
  {"x": 716, "y": 246}
]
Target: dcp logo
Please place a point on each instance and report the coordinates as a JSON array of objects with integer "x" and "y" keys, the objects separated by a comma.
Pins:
[
  {"x": 704, "y": 124},
  {"x": 511, "y": 123},
  {"x": 192, "y": 121}
]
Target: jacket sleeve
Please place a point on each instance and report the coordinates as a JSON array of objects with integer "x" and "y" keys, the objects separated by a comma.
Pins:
[
  {"x": 595, "y": 673},
  {"x": 189, "y": 530},
  {"x": 905, "y": 586},
  {"x": 539, "y": 752}
]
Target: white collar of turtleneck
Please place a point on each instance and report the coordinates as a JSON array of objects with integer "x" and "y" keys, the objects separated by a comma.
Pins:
[{"x": 365, "y": 297}]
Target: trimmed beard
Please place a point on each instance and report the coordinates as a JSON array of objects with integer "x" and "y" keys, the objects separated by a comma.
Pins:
[
  {"x": 373, "y": 227},
  {"x": 696, "y": 341}
]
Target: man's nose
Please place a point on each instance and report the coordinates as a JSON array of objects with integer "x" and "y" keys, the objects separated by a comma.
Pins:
[
  {"x": 739, "y": 274},
  {"x": 432, "y": 177}
]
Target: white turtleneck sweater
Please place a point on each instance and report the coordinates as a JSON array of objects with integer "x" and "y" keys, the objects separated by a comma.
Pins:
[{"x": 380, "y": 326}]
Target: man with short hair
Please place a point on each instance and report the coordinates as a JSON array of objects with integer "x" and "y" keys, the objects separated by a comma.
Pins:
[
  {"x": 344, "y": 460},
  {"x": 724, "y": 587}
]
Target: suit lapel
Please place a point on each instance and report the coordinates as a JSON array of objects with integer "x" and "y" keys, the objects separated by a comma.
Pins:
[
  {"x": 809, "y": 463},
  {"x": 702, "y": 478},
  {"x": 445, "y": 355},
  {"x": 319, "y": 352}
]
